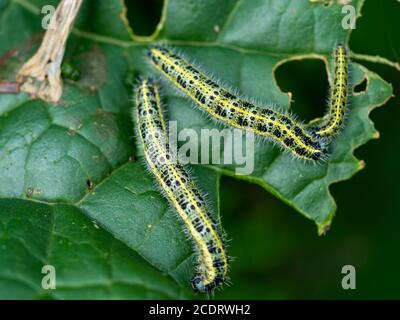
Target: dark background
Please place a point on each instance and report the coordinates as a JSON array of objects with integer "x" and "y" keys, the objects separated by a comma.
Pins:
[{"x": 279, "y": 252}]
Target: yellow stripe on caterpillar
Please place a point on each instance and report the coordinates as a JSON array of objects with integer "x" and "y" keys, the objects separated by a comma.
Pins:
[{"x": 180, "y": 190}]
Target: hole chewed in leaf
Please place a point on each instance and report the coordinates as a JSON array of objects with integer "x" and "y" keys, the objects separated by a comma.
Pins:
[
  {"x": 307, "y": 81},
  {"x": 361, "y": 87},
  {"x": 89, "y": 184},
  {"x": 144, "y": 16}
]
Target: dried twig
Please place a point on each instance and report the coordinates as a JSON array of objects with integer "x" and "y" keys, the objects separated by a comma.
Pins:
[{"x": 41, "y": 75}]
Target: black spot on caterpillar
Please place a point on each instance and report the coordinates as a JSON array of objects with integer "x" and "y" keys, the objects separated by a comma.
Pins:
[
  {"x": 180, "y": 190},
  {"x": 234, "y": 111}
]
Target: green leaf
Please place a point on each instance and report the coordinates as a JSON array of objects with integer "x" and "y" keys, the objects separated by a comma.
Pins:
[
  {"x": 89, "y": 262},
  {"x": 62, "y": 164}
]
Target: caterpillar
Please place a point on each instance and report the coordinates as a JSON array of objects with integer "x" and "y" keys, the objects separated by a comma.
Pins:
[
  {"x": 234, "y": 111},
  {"x": 334, "y": 120},
  {"x": 180, "y": 190}
]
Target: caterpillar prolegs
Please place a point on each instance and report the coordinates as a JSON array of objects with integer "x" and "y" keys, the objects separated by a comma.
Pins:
[
  {"x": 234, "y": 111},
  {"x": 180, "y": 190}
]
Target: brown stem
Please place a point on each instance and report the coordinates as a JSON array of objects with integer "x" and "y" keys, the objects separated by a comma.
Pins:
[{"x": 41, "y": 75}]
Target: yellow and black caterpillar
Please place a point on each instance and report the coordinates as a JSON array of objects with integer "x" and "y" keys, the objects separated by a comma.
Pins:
[
  {"x": 235, "y": 111},
  {"x": 180, "y": 190},
  {"x": 334, "y": 120}
]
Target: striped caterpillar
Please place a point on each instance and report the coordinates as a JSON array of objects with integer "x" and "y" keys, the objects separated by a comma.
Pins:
[
  {"x": 234, "y": 111},
  {"x": 334, "y": 120},
  {"x": 178, "y": 187}
]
